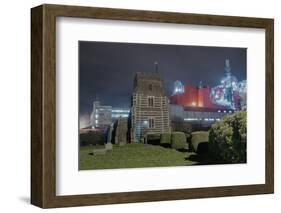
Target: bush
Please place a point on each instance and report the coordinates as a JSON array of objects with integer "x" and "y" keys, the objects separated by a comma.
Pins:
[
  {"x": 165, "y": 138},
  {"x": 227, "y": 139},
  {"x": 198, "y": 138},
  {"x": 92, "y": 138},
  {"x": 178, "y": 140},
  {"x": 152, "y": 138}
]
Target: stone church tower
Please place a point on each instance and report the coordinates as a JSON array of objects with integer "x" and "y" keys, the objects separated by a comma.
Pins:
[{"x": 150, "y": 106}]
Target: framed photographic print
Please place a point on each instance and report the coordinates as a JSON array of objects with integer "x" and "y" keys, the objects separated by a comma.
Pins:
[{"x": 137, "y": 106}]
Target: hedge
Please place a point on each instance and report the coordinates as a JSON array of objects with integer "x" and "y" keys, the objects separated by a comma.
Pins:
[
  {"x": 152, "y": 138},
  {"x": 178, "y": 140},
  {"x": 198, "y": 138},
  {"x": 165, "y": 138},
  {"x": 92, "y": 138}
]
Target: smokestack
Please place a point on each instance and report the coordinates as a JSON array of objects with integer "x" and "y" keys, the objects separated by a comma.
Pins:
[
  {"x": 227, "y": 67},
  {"x": 156, "y": 66}
]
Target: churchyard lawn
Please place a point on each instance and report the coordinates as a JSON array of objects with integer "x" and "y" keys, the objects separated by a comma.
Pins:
[{"x": 133, "y": 156}]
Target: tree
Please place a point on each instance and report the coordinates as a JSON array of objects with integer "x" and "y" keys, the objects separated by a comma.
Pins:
[{"x": 228, "y": 138}]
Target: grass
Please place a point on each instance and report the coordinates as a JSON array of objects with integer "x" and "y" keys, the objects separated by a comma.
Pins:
[{"x": 133, "y": 156}]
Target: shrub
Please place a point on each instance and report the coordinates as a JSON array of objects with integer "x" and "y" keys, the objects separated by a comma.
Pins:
[
  {"x": 92, "y": 138},
  {"x": 178, "y": 140},
  {"x": 165, "y": 138},
  {"x": 227, "y": 139},
  {"x": 198, "y": 138},
  {"x": 152, "y": 138}
]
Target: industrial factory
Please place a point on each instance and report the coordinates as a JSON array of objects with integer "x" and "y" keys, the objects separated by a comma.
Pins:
[
  {"x": 205, "y": 105},
  {"x": 102, "y": 115}
]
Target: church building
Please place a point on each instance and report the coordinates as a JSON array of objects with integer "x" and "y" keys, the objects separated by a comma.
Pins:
[{"x": 150, "y": 106}]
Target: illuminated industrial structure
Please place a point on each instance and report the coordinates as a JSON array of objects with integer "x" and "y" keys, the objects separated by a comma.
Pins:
[
  {"x": 193, "y": 96},
  {"x": 102, "y": 116},
  {"x": 230, "y": 93},
  {"x": 119, "y": 113},
  {"x": 206, "y": 105}
]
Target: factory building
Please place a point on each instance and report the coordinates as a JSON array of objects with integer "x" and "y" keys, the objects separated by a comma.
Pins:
[
  {"x": 197, "y": 115},
  {"x": 102, "y": 116},
  {"x": 205, "y": 105},
  {"x": 119, "y": 113},
  {"x": 193, "y": 96},
  {"x": 194, "y": 105}
]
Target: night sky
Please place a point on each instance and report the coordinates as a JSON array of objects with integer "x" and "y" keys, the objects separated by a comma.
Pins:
[{"x": 106, "y": 69}]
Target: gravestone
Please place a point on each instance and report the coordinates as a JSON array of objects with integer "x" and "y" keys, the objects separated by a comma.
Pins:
[
  {"x": 99, "y": 152},
  {"x": 108, "y": 145},
  {"x": 121, "y": 131}
]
